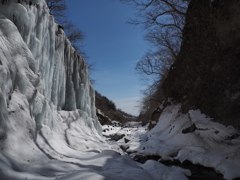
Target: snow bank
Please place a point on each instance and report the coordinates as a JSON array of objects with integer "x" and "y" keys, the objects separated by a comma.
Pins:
[{"x": 208, "y": 143}]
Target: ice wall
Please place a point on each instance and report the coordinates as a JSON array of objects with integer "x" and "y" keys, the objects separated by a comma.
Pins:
[
  {"x": 38, "y": 61},
  {"x": 48, "y": 128}
]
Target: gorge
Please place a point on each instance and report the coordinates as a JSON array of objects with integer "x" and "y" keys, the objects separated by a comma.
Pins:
[{"x": 48, "y": 123}]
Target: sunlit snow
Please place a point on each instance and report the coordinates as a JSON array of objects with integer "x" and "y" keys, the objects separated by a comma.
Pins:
[
  {"x": 48, "y": 126},
  {"x": 211, "y": 144}
]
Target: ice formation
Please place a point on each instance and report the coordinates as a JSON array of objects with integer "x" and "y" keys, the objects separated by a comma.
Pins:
[
  {"x": 48, "y": 124},
  {"x": 48, "y": 128},
  {"x": 50, "y": 66}
]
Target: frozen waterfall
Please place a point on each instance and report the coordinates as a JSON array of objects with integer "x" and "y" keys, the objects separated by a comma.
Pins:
[
  {"x": 48, "y": 126},
  {"x": 38, "y": 61}
]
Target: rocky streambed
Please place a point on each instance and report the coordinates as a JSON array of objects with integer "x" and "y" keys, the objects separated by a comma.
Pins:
[
  {"x": 122, "y": 135},
  {"x": 197, "y": 171}
]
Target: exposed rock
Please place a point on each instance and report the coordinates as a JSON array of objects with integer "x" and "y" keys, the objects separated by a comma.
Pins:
[
  {"x": 197, "y": 171},
  {"x": 206, "y": 72},
  {"x": 126, "y": 140},
  {"x": 190, "y": 129},
  {"x": 103, "y": 119},
  {"x": 124, "y": 147},
  {"x": 154, "y": 118},
  {"x": 116, "y": 137},
  {"x": 143, "y": 158}
]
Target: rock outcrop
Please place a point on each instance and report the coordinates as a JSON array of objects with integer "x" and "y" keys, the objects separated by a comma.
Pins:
[{"x": 207, "y": 70}]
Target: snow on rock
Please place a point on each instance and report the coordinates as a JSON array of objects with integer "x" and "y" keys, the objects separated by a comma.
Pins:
[
  {"x": 48, "y": 125},
  {"x": 208, "y": 143},
  {"x": 53, "y": 67}
]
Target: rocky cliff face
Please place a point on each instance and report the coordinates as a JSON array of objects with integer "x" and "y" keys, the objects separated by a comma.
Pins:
[{"x": 206, "y": 73}]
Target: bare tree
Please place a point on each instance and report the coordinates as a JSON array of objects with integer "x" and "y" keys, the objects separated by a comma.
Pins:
[
  {"x": 73, "y": 33},
  {"x": 57, "y": 9},
  {"x": 158, "y": 62},
  {"x": 76, "y": 37},
  {"x": 163, "y": 21},
  {"x": 164, "y": 14},
  {"x": 155, "y": 64}
]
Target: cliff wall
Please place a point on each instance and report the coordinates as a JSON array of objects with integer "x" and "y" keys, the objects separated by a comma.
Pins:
[
  {"x": 206, "y": 73},
  {"x": 38, "y": 62}
]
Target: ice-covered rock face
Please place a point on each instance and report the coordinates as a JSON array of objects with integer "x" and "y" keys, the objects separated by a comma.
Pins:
[
  {"x": 48, "y": 128},
  {"x": 38, "y": 60}
]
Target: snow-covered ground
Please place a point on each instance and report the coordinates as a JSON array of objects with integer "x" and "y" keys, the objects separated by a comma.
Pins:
[
  {"x": 209, "y": 144},
  {"x": 70, "y": 149},
  {"x": 48, "y": 125}
]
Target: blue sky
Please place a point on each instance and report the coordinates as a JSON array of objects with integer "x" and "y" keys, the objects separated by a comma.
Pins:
[{"x": 113, "y": 46}]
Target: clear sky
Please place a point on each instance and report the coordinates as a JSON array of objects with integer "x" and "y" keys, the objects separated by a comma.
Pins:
[{"x": 113, "y": 46}]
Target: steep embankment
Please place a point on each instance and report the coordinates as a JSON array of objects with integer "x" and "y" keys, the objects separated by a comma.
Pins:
[
  {"x": 107, "y": 111},
  {"x": 206, "y": 73}
]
